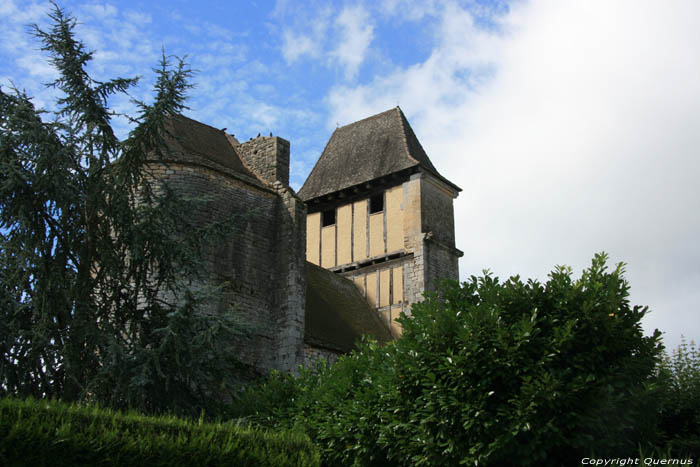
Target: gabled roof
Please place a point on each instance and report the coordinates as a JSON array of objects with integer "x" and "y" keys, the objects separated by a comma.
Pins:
[
  {"x": 192, "y": 141},
  {"x": 366, "y": 150},
  {"x": 337, "y": 314}
]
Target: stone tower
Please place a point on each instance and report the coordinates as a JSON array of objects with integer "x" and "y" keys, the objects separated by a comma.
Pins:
[
  {"x": 380, "y": 214},
  {"x": 259, "y": 266}
]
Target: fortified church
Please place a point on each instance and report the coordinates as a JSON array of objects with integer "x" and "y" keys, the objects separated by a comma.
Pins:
[{"x": 370, "y": 231}]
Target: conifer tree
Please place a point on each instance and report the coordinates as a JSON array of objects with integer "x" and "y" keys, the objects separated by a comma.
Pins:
[{"x": 98, "y": 263}]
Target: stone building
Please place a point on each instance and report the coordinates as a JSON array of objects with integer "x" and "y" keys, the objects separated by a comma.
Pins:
[
  {"x": 380, "y": 231},
  {"x": 380, "y": 214}
]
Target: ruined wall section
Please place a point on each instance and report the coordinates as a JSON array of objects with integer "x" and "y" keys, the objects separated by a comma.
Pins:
[{"x": 267, "y": 157}]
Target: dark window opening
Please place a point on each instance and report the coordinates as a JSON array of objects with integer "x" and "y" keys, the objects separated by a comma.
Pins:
[
  {"x": 376, "y": 203},
  {"x": 328, "y": 217}
]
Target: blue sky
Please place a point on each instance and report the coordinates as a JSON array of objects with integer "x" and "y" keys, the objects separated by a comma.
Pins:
[{"x": 572, "y": 127}]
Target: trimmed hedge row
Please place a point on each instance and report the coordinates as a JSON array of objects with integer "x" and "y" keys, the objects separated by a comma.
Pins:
[{"x": 38, "y": 432}]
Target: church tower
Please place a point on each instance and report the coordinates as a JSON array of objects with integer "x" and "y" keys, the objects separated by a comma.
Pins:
[{"x": 380, "y": 214}]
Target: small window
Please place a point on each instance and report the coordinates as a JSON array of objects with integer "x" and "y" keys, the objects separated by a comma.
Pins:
[
  {"x": 328, "y": 217},
  {"x": 376, "y": 203}
]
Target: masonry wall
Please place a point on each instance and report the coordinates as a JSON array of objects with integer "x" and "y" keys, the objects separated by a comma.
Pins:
[
  {"x": 290, "y": 301},
  {"x": 414, "y": 271},
  {"x": 260, "y": 261},
  {"x": 440, "y": 263},
  {"x": 437, "y": 210},
  {"x": 267, "y": 157},
  {"x": 437, "y": 222},
  {"x": 313, "y": 354}
]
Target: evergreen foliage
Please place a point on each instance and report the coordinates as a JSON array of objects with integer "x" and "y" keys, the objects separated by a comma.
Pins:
[
  {"x": 50, "y": 433},
  {"x": 99, "y": 265},
  {"x": 486, "y": 373}
]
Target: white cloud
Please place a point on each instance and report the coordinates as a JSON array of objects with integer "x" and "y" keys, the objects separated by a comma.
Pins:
[
  {"x": 263, "y": 114},
  {"x": 36, "y": 66},
  {"x": 463, "y": 58},
  {"x": 30, "y": 12},
  {"x": 98, "y": 11},
  {"x": 296, "y": 45},
  {"x": 572, "y": 128},
  {"x": 340, "y": 39},
  {"x": 407, "y": 9},
  {"x": 354, "y": 38},
  {"x": 7, "y": 8},
  {"x": 307, "y": 35},
  {"x": 139, "y": 18}
]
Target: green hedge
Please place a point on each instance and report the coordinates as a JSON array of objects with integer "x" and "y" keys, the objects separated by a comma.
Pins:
[{"x": 42, "y": 432}]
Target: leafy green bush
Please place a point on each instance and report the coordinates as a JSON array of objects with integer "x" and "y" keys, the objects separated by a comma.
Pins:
[
  {"x": 52, "y": 433},
  {"x": 273, "y": 400},
  {"x": 680, "y": 415},
  {"x": 519, "y": 372},
  {"x": 487, "y": 373},
  {"x": 338, "y": 406}
]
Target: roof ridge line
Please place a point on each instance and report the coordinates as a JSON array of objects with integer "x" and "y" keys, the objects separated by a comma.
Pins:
[
  {"x": 367, "y": 118},
  {"x": 199, "y": 123},
  {"x": 402, "y": 118},
  {"x": 206, "y": 142},
  {"x": 433, "y": 170}
]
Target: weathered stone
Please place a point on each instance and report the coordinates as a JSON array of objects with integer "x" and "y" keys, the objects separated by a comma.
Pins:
[{"x": 262, "y": 262}]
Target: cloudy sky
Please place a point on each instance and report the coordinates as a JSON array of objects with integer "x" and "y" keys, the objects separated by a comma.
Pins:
[{"x": 573, "y": 127}]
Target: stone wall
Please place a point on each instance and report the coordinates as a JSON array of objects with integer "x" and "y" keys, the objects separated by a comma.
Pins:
[
  {"x": 267, "y": 157},
  {"x": 312, "y": 354},
  {"x": 440, "y": 256},
  {"x": 437, "y": 212},
  {"x": 291, "y": 290},
  {"x": 428, "y": 235},
  {"x": 414, "y": 271},
  {"x": 441, "y": 262},
  {"x": 260, "y": 261}
]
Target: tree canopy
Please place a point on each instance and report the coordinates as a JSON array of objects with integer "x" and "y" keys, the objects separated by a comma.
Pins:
[{"x": 98, "y": 262}]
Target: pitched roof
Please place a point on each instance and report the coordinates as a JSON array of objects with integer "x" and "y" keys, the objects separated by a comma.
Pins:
[
  {"x": 193, "y": 141},
  {"x": 337, "y": 314},
  {"x": 365, "y": 150}
]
